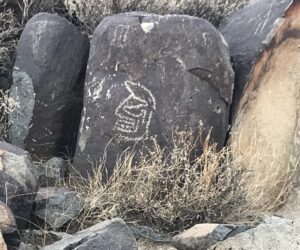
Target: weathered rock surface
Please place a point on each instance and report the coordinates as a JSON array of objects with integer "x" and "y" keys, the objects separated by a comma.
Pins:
[
  {"x": 148, "y": 75},
  {"x": 275, "y": 236},
  {"x": 264, "y": 41},
  {"x": 56, "y": 205},
  {"x": 51, "y": 172},
  {"x": 109, "y": 235},
  {"x": 202, "y": 236},
  {"x": 18, "y": 185},
  {"x": 48, "y": 84},
  {"x": 8, "y": 227}
]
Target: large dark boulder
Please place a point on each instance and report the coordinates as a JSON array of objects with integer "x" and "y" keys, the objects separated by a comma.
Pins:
[
  {"x": 48, "y": 86},
  {"x": 148, "y": 75},
  {"x": 18, "y": 184}
]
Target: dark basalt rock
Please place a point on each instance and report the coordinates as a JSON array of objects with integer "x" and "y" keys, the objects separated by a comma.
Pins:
[
  {"x": 148, "y": 75},
  {"x": 248, "y": 32},
  {"x": 48, "y": 85}
]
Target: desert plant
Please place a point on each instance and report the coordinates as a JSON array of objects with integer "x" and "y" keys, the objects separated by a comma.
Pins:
[
  {"x": 166, "y": 190},
  {"x": 9, "y": 30},
  {"x": 31, "y": 7},
  {"x": 7, "y": 106},
  {"x": 91, "y": 12},
  {"x": 268, "y": 181}
]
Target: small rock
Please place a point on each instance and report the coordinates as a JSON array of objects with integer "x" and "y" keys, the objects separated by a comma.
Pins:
[
  {"x": 275, "y": 236},
  {"x": 2, "y": 243},
  {"x": 18, "y": 185},
  {"x": 201, "y": 236},
  {"x": 109, "y": 235},
  {"x": 51, "y": 172},
  {"x": 8, "y": 227},
  {"x": 56, "y": 206}
]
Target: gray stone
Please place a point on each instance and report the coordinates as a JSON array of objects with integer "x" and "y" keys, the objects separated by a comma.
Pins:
[
  {"x": 56, "y": 205},
  {"x": 18, "y": 184},
  {"x": 108, "y": 235},
  {"x": 147, "y": 76},
  {"x": 51, "y": 172},
  {"x": 202, "y": 236},
  {"x": 47, "y": 85},
  {"x": 278, "y": 236}
]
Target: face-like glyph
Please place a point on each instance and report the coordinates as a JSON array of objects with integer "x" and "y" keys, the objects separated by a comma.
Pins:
[{"x": 134, "y": 113}]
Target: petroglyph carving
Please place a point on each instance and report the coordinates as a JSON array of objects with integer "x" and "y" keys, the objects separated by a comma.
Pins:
[{"x": 134, "y": 113}]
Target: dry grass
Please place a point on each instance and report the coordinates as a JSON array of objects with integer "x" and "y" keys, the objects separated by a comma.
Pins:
[
  {"x": 31, "y": 7},
  {"x": 268, "y": 181},
  {"x": 166, "y": 191},
  {"x": 91, "y": 12},
  {"x": 172, "y": 191},
  {"x": 9, "y": 30},
  {"x": 7, "y": 106}
]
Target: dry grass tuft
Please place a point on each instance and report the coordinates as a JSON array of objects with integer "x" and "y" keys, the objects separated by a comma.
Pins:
[
  {"x": 91, "y": 12},
  {"x": 7, "y": 106},
  {"x": 167, "y": 191},
  {"x": 9, "y": 30},
  {"x": 268, "y": 180},
  {"x": 31, "y": 7}
]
